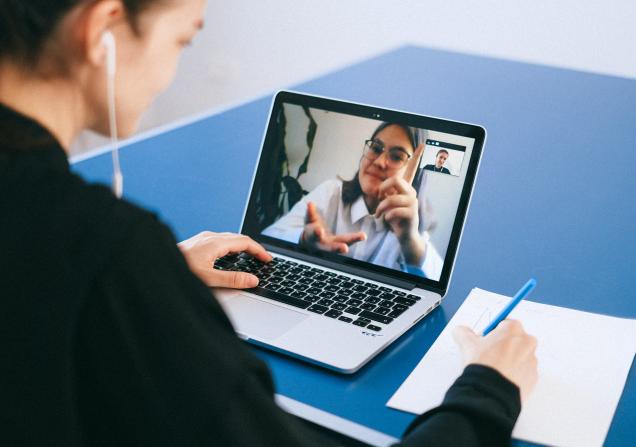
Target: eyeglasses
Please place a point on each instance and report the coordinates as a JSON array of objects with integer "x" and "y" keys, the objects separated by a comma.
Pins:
[{"x": 397, "y": 157}]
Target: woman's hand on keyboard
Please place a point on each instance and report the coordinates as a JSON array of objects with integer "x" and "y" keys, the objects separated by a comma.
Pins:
[{"x": 202, "y": 250}]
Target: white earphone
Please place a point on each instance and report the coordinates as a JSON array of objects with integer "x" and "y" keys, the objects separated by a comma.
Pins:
[{"x": 108, "y": 40}]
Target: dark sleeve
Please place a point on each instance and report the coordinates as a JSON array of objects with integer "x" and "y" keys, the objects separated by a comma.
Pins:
[{"x": 480, "y": 409}]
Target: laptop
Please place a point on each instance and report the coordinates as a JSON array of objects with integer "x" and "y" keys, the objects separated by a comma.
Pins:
[{"x": 363, "y": 209}]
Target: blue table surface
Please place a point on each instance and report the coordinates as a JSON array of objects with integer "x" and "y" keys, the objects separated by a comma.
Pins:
[{"x": 553, "y": 199}]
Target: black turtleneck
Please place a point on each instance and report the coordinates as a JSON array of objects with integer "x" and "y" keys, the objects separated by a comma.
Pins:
[{"x": 108, "y": 338}]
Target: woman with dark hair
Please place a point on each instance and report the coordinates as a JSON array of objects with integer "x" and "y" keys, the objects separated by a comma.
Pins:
[
  {"x": 108, "y": 338},
  {"x": 376, "y": 216}
]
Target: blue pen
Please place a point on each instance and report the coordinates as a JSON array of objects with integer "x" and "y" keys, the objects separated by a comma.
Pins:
[{"x": 521, "y": 294}]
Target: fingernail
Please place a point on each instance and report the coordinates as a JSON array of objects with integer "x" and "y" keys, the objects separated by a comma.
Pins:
[{"x": 252, "y": 281}]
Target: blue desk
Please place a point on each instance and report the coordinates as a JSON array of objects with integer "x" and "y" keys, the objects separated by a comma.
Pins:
[{"x": 553, "y": 200}]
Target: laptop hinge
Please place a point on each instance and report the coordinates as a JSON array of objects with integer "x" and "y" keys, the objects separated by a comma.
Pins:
[{"x": 400, "y": 283}]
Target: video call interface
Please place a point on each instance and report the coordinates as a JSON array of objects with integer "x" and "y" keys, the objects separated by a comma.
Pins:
[{"x": 378, "y": 192}]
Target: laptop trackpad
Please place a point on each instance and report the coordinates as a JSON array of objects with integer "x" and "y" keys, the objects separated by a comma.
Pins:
[{"x": 256, "y": 319}]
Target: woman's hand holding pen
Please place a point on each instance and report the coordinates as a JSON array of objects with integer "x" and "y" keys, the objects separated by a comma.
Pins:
[
  {"x": 509, "y": 349},
  {"x": 317, "y": 235},
  {"x": 399, "y": 206},
  {"x": 202, "y": 250}
]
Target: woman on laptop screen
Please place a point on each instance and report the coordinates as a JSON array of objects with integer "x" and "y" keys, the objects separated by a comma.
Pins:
[{"x": 375, "y": 216}]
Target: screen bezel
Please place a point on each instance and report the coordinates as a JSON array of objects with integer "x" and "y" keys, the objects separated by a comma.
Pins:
[{"x": 476, "y": 132}]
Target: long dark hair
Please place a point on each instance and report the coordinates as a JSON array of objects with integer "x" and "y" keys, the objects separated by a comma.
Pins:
[
  {"x": 351, "y": 189},
  {"x": 26, "y": 25}
]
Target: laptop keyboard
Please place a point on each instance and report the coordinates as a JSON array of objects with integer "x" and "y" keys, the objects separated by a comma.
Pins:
[{"x": 349, "y": 300}]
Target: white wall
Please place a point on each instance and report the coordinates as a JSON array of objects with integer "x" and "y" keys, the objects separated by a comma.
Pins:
[{"x": 250, "y": 48}]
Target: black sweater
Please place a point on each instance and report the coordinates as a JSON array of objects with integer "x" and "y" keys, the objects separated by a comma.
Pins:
[{"x": 108, "y": 338}]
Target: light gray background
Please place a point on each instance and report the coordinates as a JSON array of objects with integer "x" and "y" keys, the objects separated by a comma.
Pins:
[{"x": 250, "y": 48}]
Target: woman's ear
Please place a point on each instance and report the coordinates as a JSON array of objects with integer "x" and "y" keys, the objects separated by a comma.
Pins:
[{"x": 98, "y": 19}]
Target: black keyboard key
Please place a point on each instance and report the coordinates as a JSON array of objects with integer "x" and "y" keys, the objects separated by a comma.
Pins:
[
  {"x": 299, "y": 294},
  {"x": 319, "y": 284},
  {"x": 405, "y": 301},
  {"x": 333, "y": 313},
  {"x": 314, "y": 290},
  {"x": 414, "y": 297},
  {"x": 340, "y": 298},
  {"x": 317, "y": 308},
  {"x": 353, "y": 310},
  {"x": 387, "y": 296},
  {"x": 367, "y": 306},
  {"x": 327, "y": 294},
  {"x": 358, "y": 295},
  {"x": 331, "y": 274},
  {"x": 400, "y": 307},
  {"x": 386, "y": 303},
  {"x": 272, "y": 295},
  {"x": 309, "y": 273},
  {"x": 339, "y": 306},
  {"x": 331, "y": 288},
  {"x": 286, "y": 290},
  {"x": 276, "y": 279},
  {"x": 222, "y": 262},
  {"x": 398, "y": 293},
  {"x": 361, "y": 323},
  {"x": 347, "y": 284},
  {"x": 376, "y": 317},
  {"x": 372, "y": 300},
  {"x": 374, "y": 328},
  {"x": 345, "y": 319},
  {"x": 305, "y": 281},
  {"x": 311, "y": 298},
  {"x": 357, "y": 281},
  {"x": 360, "y": 288},
  {"x": 354, "y": 302},
  {"x": 373, "y": 292},
  {"x": 385, "y": 289},
  {"x": 371, "y": 286},
  {"x": 325, "y": 302},
  {"x": 334, "y": 281},
  {"x": 382, "y": 310},
  {"x": 273, "y": 287},
  {"x": 288, "y": 283},
  {"x": 292, "y": 277},
  {"x": 321, "y": 277}
]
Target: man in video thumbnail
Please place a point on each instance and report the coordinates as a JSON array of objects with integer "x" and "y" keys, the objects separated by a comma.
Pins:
[{"x": 440, "y": 159}]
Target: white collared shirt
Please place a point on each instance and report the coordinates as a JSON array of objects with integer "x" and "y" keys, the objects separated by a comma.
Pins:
[{"x": 380, "y": 248}]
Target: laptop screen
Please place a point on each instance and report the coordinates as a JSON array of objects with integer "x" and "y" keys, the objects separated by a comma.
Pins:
[{"x": 376, "y": 188}]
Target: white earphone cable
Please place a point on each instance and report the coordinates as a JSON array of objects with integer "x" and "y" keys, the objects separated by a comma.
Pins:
[{"x": 118, "y": 178}]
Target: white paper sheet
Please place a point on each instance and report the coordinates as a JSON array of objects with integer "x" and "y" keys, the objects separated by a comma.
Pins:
[{"x": 584, "y": 360}]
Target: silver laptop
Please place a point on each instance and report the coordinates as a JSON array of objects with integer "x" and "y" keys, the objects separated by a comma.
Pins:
[{"x": 363, "y": 209}]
